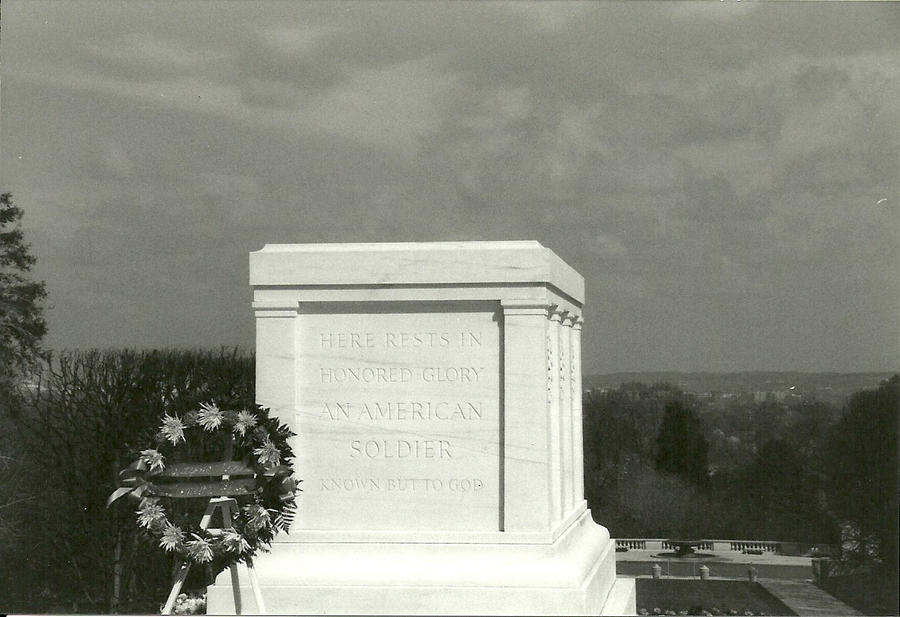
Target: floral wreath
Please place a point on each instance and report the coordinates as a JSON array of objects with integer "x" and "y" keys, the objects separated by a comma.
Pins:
[{"x": 265, "y": 506}]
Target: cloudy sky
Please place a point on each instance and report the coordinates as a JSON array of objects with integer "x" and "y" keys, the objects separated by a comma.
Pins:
[{"x": 725, "y": 175}]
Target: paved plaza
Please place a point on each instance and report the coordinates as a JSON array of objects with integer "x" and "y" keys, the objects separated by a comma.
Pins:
[{"x": 787, "y": 577}]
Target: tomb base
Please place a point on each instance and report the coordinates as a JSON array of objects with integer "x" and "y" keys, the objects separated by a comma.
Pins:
[{"x": 572, "y": 575}]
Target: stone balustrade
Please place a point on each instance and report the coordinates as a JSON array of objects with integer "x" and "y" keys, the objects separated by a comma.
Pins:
[
  {"x": 766, "y": 546},
  {"x": 755, "y": 545}
]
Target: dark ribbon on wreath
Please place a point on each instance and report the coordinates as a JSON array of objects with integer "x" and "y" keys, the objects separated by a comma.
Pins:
[
  {"x": 283, "y": 482},
  {"x": 132, "y": 483},
  {"x": 135, "y": 482}
]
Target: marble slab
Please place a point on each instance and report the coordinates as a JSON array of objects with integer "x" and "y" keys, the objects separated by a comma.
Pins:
[{"x": 435, "y": 390}]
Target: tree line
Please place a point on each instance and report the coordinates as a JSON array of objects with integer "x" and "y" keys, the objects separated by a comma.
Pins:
[{"x": 660, "y": 464}]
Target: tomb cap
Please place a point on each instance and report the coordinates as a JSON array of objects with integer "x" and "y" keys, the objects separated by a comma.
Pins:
[{"x": 414, "y": 263}]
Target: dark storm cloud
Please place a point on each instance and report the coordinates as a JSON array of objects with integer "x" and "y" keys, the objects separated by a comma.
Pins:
[{"x": 711, "y": 168}]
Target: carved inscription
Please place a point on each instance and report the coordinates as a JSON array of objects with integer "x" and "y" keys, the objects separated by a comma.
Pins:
[
  {"x": 426, "y": 485},
  {"x": 402, "y": 417},
  {"x": 398, "y": 340},
  {"x": 403, "y": 410},
  {"x": 399, "y": 374},
  {"x": 400, "y": 411},
  {"x": 400, "y": 448}
]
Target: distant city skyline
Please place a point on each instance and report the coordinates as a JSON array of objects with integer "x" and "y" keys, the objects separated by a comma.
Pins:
[
  {"x": 726, "y": 176},
  {"x": 789, "y": 386}
]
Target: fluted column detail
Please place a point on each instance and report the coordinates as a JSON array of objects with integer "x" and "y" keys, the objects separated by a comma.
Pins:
[
  {"x": 577, "y": 413},
  {"x": 565, "y": 404},
  {"x": 554, "y": 415}
]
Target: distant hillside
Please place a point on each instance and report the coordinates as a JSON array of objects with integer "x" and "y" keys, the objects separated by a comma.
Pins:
[{"x": 830, "y": 387}]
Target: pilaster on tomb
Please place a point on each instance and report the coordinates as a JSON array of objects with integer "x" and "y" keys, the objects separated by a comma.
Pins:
[
  {"x": 556, "y": 414},
  {"x": 565, "y": 402},
  {"x": 526, "y": 505},
  {"x": 577, "y": 412}
]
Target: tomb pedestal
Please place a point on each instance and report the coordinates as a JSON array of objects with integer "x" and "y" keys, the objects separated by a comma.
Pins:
[{"x": 435, "y": 389}]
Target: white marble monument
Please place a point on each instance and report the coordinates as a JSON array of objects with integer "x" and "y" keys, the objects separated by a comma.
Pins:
[{"x": 435, "y": 389}]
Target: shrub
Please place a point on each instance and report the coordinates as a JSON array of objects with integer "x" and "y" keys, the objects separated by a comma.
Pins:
[{"x": 88, "y": 414}]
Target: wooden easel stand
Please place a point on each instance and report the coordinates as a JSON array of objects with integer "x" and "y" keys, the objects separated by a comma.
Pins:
[{"x": 228, "y": 506}]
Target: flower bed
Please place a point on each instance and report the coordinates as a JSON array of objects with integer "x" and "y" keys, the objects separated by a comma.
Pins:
[{"x": 696, "y": 597}]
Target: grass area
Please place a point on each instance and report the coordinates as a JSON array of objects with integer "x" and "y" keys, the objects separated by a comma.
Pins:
[
  {"x": 714, "y": 597},
  {"x": 871, "y": 593}
]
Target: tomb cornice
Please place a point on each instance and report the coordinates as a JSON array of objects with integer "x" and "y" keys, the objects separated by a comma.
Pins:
[
  {"x": 526, "y": 307},
  {"x": 414, "y": 264},
  {"x": 283, "y": 307}
]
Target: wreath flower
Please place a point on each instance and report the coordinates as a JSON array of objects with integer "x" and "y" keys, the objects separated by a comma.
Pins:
[
  {"x": 268, "y": 453},
  {"x": 190, "y": 444},
  {"x": 245, "y": 421},
  {"x": 234, "y": 541},
  {"x": 200, "y": 549},
  {"x": 173, "y": 429},
  {"x": 257, "y": 517},
  {"x": 172, "y": 537},
  {"x": 153, "y": 459},
  {"x": 209, "y": 416},
  {"x": 150, "y": 514}
]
